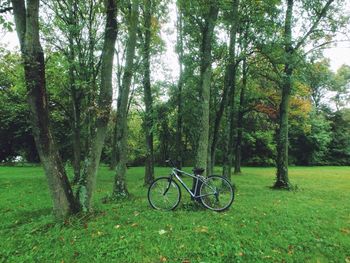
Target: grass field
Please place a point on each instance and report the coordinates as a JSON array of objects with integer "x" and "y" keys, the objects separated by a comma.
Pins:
[{"x": 311, "y": 224}]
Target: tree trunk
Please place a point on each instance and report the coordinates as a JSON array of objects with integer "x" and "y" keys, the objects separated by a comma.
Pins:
[
  {"x": 114, "y": 156},
  {"x": 282, "y": 180},
  {"x": 179, "y": 127},
  {"x": 113, "y": 163},
  {"x": 27, "y": 26},
  {"x": 88, "y": 178},
  {"x": 230, "y": 129},
  {"x": 230, "y": 81},
  {"x": 120, "y": 187},
  {"x": 148, "y": 119},
  {"x": 76, "y": 143},
  {"x": 238, "y": 149},
  {"x": 205, "y": 79}
]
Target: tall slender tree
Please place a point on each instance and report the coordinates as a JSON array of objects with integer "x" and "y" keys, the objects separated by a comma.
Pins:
[
  {"x": 230, "y": 82},
  {"x": 120, "y": 187},
  {"x": 207, "y": 29},
  {"x": 147, "y": 91},
  {"x": 179, "y": 122}
]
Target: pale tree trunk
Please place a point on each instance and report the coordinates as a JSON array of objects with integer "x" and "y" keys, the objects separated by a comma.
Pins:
[
  {"x": 120, "y": 186},
  {"x": 205, "y": 80},
  {"x": 114, "y": 156},
  {"x": 228, "y": 83},
  {"x": 113, "y": 163},
  {"x": 148, "y": 119},
  {"x": 88, "y": 178},
  {"x": 27, "y": 26}
]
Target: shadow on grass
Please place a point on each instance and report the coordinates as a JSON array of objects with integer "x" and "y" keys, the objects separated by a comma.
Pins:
[
  {"x": 22, "y": 218},
  {"x": 191, "y": 206},
  {"x": 35, "y": 214}
]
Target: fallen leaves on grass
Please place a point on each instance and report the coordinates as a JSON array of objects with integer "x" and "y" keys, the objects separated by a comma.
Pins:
[
  {"x": 345, "y": 230},
  {"x": 202, "y": 229},
  {"x": 162, "y": 232}
]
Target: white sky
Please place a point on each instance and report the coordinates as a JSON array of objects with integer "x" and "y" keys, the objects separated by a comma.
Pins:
[{"x": 168, "y": 69}]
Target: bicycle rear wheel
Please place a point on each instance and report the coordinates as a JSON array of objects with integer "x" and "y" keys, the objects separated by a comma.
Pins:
[
  {"x": 164, "y": 194},
  {"x": 217, "y": 193}
]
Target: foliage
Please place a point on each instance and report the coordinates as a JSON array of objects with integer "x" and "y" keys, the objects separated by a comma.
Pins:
[
  {"x": 15, "y": 133},
  {"x": 311, "y": 147},
  {"x": 339, "y": 148}
]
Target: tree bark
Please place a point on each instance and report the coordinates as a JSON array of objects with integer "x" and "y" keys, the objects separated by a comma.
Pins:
[
  {"x": 120, "y": 186},
  {"x": 76, "y": 110},
  {"x": 27, "y": 26},
  {"x": 179, "y": 126},
  {"x": 238, "y": 149},
  {"x": 113, "y": 163},
  {"x": 76, "y": 138},
  {"x": 231, "y": 86},
  {"x": 282, "y": 180},
  {"x": 205, "y": 79},
  {"x": 227, "y": 84},
  {"x": 148, "y": 119},
  {"x": 88, "y": 178}
]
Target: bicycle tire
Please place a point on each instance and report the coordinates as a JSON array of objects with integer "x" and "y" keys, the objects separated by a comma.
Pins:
[
  {"x": 216, "y": 193},
  {"x": 162, "y": 198}
]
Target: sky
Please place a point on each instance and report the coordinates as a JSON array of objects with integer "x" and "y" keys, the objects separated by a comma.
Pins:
[{"x": 168, "y": 68}]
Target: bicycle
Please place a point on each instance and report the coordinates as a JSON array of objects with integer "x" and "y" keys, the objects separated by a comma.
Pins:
[{"x": 214, "y": 192}]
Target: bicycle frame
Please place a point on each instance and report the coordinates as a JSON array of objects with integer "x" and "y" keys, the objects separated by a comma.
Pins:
[{"x": 174, "y": 172}]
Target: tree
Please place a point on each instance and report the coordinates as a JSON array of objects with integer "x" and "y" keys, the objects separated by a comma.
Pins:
[
  {"x": 15, "y": 137},
  {"x": 88, "y": 178},
  {"x": 120, "y": 187},
  {"x": 78, "y": 41},
  {"x": 148, "y": 100},
  {"x": 27, "y": 27},
  {"x": 319, "y": 78},
  {"x": 209, "y": 16},
  {"x": 339, "y": 147},
  {"x": 179, "y": 123},
  {"x": 288, "y": 54},
  {"x": 230, "y": 88},
  {"x": 342, "y": 87}
]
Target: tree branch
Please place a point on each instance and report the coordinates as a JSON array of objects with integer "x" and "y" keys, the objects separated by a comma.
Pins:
[
  {"x": 315, "y": 25},
  {"x": 19, "y": 12}
]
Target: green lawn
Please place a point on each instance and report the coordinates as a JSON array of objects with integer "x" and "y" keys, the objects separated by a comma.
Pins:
[{"x": 263, "y": 225}]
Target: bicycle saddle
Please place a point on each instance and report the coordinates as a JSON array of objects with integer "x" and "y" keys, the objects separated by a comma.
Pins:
[{"x": 198, "y": 171}]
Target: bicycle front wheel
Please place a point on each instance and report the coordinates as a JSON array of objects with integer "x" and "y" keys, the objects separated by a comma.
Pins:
[
  {"x": 216, "y": 193},
  {"x": 164, "y": 194}
]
